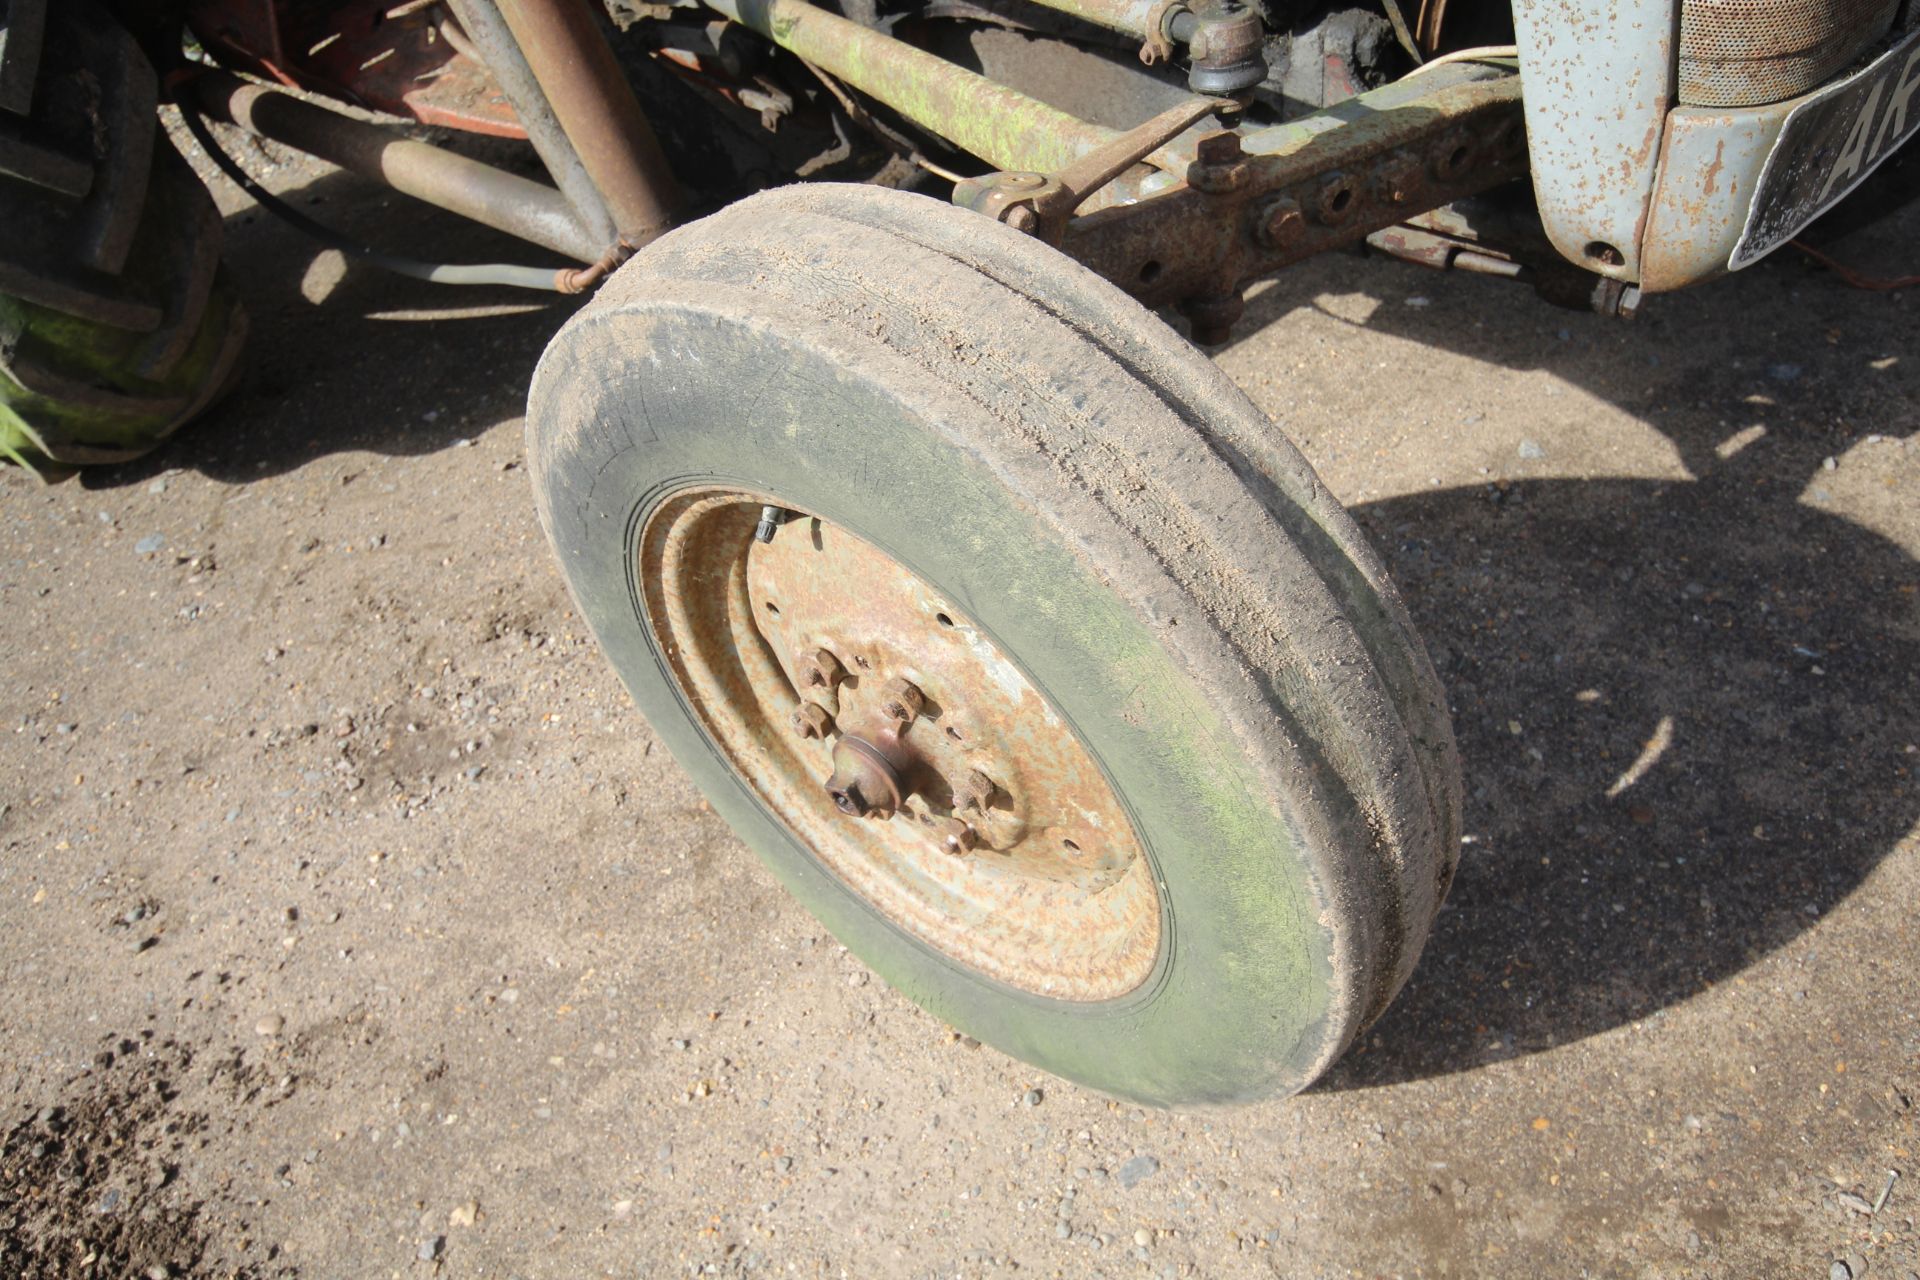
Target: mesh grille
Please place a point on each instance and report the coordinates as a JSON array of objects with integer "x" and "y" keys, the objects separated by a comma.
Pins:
[{"x": 1742, "y": 53}]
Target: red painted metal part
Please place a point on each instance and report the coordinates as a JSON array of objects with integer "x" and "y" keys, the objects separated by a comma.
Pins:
[{"x": 386, "y": 55}]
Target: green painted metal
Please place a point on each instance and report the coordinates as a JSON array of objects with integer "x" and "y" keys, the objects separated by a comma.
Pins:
[
  {"x": 1002, "y": 126},
  {"x": 1130, "y": 17}
]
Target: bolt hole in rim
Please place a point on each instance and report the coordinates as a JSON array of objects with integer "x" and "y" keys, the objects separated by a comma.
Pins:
[{"x": 1050, "y": 891}]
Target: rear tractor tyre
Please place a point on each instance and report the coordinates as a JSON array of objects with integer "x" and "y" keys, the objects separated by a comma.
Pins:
[
  {"x": 116, "y": 324},
  {"x": 1008, "y": 633}
]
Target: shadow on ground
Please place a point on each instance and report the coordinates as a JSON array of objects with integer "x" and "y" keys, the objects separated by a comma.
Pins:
[
  {"x": 344, "y": 357},
  {"x": 1687, "y": 714},
  {"x": 1689, "y": 711}
]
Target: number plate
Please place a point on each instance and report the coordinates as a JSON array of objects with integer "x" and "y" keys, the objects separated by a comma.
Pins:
[{"x": 1829, "y": 144}]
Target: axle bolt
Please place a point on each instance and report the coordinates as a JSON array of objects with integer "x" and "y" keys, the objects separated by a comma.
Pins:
[
  {"x": 956, "y": 837},
  {"x": 1219, "y": 165},
  {"x": 976, "y": 793},
  {"x": 849, "y": 801},
  {"x": 821, "y": 670},
  {"x": 812, "y": 721},
  {"x": 1282, "y": 224},
  {"x": 901, "y": 702}
]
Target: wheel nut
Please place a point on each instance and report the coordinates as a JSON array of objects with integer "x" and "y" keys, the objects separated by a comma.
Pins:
[
  {"x": 956, "y": 837},
  {"x": 901, "y": 701},
  {"x": 820, "y": 669},
  {"x": 975, "y": 793},
  {"x": 812, "y": 721}
]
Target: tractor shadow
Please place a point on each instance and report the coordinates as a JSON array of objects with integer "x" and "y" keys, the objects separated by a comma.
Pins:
[
  {"x": 345, "y": 357},
  {"x": 1688, "y": 709}
]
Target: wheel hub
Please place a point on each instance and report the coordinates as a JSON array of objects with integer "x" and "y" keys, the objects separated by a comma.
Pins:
[
  {"x": 866, "y": 781},
  {"x": 901, "y": 745}
]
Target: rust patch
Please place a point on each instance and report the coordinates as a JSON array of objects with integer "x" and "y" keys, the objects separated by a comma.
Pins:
[{"x": 1710, "y": 180}]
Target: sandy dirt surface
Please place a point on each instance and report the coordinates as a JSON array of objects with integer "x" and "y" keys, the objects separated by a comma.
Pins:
[{"x": 352, "y": 924}]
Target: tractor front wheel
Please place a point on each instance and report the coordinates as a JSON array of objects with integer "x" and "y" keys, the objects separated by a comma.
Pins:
[{"x": 1008, "y": 633}]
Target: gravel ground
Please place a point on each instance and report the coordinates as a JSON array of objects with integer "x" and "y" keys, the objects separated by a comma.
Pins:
[{"x": 352, "y": 924}]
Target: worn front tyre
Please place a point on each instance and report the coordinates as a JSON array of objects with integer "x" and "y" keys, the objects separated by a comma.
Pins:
[{"x": 1008, "y": 634}]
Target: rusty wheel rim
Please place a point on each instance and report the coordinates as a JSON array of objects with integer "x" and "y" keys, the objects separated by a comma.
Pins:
[{"x": 890, "y": 735}]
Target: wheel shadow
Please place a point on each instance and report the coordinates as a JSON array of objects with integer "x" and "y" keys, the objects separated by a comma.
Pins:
[{"x": 1689, "y": 710}]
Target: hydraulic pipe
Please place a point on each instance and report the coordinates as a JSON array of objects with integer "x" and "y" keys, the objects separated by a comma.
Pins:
[
  {"x": 494, "y": 44},
  {"x": 594, "y": 103},
  {"x": 1002, "y": 126},
  {"x": 501, "y": 200}
]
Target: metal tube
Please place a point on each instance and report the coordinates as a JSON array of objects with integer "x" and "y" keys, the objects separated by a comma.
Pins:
[
  {"x": 1002, "y": 126},
  {"x": 593, "y": 102},
  {"x": 1129, "y": 17},
  {"x": 493, "y": 42},
  {"x": 501, "y": 200}
]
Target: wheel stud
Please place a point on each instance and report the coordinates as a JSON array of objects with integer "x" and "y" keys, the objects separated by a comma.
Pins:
[
  {"x": 901, "y": 702},
  {"x": 821, "y": 670},
  {"x": 976, "y": 793},
  {"x": 812, "y": 721},
  {"x": 956, "y": 837}
]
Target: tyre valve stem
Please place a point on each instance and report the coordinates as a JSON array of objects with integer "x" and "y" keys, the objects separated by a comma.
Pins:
[{"x": 771, "y": 518}]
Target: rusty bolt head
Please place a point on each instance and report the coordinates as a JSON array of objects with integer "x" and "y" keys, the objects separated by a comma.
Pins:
[
  {"x": 956, "y": 837},
  {"x": 1022, "y": 218},
  {"x": 901, "y": 701},
  {"x": 1281, "y": 223},
  {"x": 812, "y": 721},
  {"x": 1219, "y": 165},
  {"x": 975, "y": 792},
  {"x": 1222, "y": 147},
  {"x": 820, "y": 669}
]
